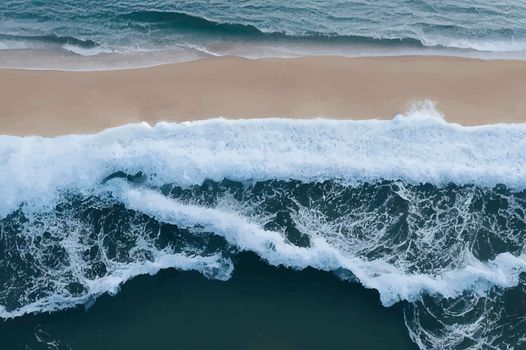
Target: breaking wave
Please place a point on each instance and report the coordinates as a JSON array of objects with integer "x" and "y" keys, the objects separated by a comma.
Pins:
[{"x": 419, "y": 209}]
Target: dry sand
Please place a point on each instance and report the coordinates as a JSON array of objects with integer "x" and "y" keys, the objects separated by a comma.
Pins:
[{"x": 467, "y": 91}]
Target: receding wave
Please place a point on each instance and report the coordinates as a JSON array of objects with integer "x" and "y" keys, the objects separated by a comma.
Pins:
[{"x": 421, "y": 210}]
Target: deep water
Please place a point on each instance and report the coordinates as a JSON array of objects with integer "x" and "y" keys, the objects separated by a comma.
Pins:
[{"x": 260, "y": 307}]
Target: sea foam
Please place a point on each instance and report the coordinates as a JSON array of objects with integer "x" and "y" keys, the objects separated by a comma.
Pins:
[
  {"x": 418, "y": 147},
  {"x": 392, "y": 284}
]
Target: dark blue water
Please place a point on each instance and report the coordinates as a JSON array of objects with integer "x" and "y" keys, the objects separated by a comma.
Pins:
[{"x": 188, "y": 29}]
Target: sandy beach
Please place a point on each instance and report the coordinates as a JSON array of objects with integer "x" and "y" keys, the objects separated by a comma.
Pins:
[{"x": 467, "y": 91}]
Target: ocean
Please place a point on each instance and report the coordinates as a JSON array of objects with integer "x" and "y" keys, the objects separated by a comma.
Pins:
[
  {"x": 93, "y": 34},
  {"x": 428, "y": 216},
  {"x": 265, "y": 233}
]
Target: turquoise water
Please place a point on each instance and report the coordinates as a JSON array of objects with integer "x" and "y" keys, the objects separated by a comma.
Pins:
[{"x": 159, "y": 31}]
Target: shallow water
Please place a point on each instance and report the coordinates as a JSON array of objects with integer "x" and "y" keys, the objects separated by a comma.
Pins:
[{"x": 153, "y": 32}]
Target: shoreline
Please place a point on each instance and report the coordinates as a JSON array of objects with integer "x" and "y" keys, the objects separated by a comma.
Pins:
[
  {"x": 69, "y": 61},
  {"x": 466, "y": 91}
]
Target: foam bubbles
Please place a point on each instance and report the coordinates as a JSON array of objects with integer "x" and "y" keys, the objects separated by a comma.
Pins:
[
  {"x": 418, "y": 147},
  {"x": 392, "y": 284},
  {"x": 398, "y": 205}
]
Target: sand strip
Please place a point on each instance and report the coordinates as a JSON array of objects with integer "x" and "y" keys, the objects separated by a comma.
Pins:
[{"x": 467, "y": 91}]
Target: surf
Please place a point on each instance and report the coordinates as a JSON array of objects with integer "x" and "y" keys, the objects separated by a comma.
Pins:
[
  {"x": 419, "y": 147},
  {"x": 423, "y": 211}
]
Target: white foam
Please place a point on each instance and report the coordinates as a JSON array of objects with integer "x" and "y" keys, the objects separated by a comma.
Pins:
[
  {"x": 90, "y": 51},
  {"x": 392, "y": 283},
  {"x": 201, "y": 49},
  {"x": 496, "y": 46},
  {"x": 120, "y": 274},
  {"x": 417, "y": 147}
]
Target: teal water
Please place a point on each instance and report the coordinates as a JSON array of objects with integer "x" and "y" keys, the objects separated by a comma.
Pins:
[
  {"x": 260, "y": 307},
  {"x": 313, "y": 234},
  {"x": 411, "y": 222},
  {"x": 153, "y": 32}
]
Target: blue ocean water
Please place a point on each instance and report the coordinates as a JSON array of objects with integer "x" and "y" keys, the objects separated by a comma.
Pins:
[{"x": 177, "y": 30}]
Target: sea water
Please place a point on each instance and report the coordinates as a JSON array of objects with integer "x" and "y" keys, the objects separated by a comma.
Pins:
[
  {"x": 428, "y": 214},
  {"x": 97, "y": 34}
]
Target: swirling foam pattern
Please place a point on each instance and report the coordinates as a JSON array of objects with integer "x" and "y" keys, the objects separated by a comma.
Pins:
[{"x": 421, "y": 210}]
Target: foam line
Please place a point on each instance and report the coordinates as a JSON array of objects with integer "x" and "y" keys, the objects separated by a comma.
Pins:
[
  {"x": 393, "y": 284},
  {"x": 418, "y": 147}
]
